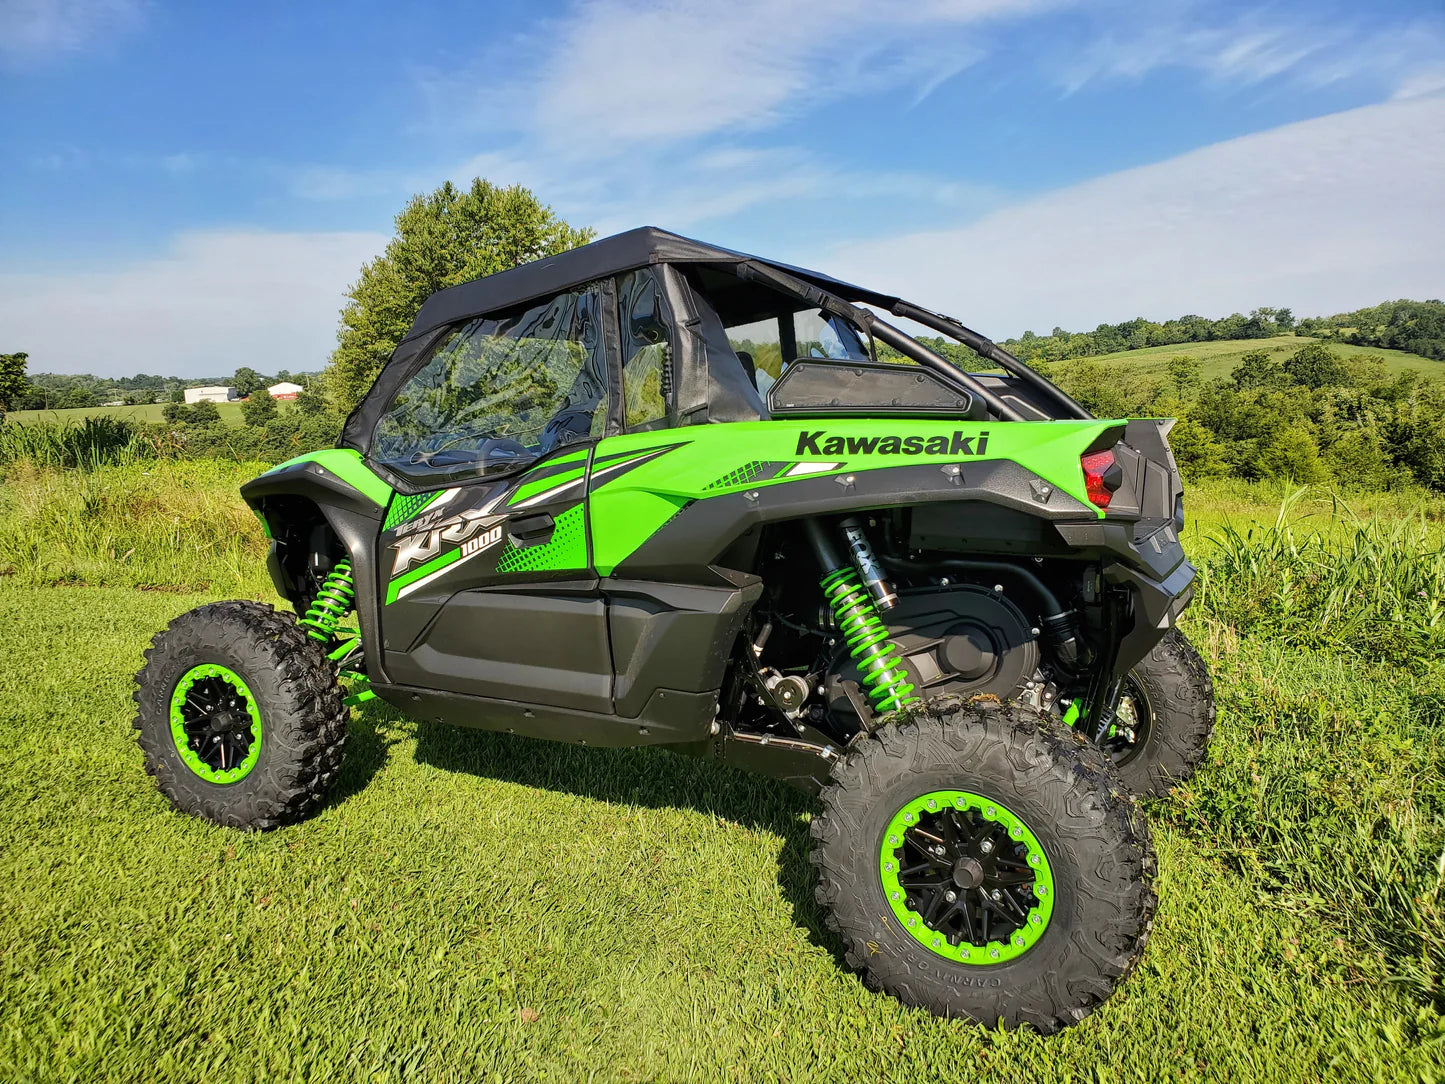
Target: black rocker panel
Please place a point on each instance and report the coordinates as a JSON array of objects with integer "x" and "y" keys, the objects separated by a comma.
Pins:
[{"x": 530, "y": 647}]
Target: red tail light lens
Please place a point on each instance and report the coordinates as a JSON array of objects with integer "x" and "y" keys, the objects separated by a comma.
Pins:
[{"x": 1101, "y": 477}]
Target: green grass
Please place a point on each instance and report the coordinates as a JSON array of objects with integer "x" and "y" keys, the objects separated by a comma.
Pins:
[
  {"x": 148, "y": 412},
  {"x": 476, "y": 907},
  {"x": 1220, "y": 358}
]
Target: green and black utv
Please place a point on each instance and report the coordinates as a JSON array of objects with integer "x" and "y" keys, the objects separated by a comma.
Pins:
[{"x": 655, "y": 492}]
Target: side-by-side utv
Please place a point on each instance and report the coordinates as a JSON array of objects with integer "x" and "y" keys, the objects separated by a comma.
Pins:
[{"x": 654, "y": 492}]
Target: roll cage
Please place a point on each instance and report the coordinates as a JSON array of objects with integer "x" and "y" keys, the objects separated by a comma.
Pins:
[{"x": 700, "y": 291}]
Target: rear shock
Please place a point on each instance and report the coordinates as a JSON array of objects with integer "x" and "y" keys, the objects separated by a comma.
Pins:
[{"x": 854, "y": 608}]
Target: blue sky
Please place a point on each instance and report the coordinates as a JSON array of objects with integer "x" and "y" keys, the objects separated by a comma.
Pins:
[{"x": 190, "y": 187}]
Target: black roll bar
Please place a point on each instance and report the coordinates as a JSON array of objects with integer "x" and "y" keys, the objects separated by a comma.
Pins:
[
  {"x": 885, "y": 332},
  {"x": 990, "y": 350}
]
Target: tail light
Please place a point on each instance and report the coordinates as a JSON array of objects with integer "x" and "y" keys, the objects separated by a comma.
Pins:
[{"x": 1102, "y": 476}]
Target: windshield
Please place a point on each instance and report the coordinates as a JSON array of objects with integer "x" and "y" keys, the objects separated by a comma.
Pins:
[{"x": 820, "y": 335}]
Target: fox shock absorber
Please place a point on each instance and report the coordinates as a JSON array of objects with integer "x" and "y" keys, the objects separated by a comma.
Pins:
[
  {"x": 867, "y": 565},
  {"x": 884, "y": 679},
  {"x": 333, "y": 602}
]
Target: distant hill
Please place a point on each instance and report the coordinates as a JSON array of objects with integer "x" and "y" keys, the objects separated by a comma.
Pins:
[{"x": 1218, "y": 359}]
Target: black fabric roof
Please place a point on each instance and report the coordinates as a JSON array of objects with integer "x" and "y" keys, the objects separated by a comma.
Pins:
[{"x": 609, "y": 256}]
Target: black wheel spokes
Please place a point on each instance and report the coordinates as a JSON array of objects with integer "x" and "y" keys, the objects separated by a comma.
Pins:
[
  {"x": 1130, "y": 731},
  {"x": 966, "y": 877},
  {"x": 217, "y": 723}
]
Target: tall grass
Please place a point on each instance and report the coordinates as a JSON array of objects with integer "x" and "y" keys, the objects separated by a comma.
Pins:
[
  {"x": 86, "y": 444},
  {"x": 172, "y": 525},
  {"x": 1375, "y": 589}
]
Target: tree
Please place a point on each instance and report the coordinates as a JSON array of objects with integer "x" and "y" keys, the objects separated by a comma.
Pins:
[
  {"x": 259, "y": 409},
  {"x": 1257, "y": 369},
  {"x": 310, "y": 402},
  {"x": 176, "y": 413},
  {"x": 246, "y": 381},
  {"x": 1186, "y": 374},
  {"x": 205, "y": 413},
  {"x": 1314, "y": 365},
  {"x": 447, "y": 237},
  {"x": 13, "y": 385}
]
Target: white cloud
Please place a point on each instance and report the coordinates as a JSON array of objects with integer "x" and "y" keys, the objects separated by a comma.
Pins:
[
  {"x": 617, "y": 74},
  {"x": 1422, "y": 83},
  {"x": 34, "y": 31},
  {"x": 1322, "y": 216},
  {"x": 213, "y": 302}
]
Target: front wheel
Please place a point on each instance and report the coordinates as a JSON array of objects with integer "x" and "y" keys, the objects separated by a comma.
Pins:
[
  {"x": 981, "y": 861},
  {"x": 240, "y": 716}
]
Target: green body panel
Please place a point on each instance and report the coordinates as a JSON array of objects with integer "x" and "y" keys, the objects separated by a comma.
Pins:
[
  {"x": 405, "y": 508},
  {"x": 711, "y": 460},
  {"x": 347, "y": 465},
  {"x": 566, "y": 550},
  {"x": 551, "y": 481}
]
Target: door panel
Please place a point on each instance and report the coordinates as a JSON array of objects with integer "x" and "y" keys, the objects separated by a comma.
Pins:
[{"x": 487, "y": 590}]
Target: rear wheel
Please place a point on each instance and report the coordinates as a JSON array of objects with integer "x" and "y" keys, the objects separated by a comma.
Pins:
[
  {"x": 981, "y": 861},
  {"x": 240, "y": 716},
  {"x": 1165, "y": 718}
]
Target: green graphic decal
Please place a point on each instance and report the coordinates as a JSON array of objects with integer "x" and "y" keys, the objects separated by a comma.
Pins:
[
  {"x": 346, "y": 464},
  {"x": 405, "y": 508},
  {"x": 713, "y": 461},
  {"x": 742, "y": 476},
  {"x": 566, "y": 549},
  {"x": 966, "y": 877},
  {"x": 216, "y": 724},
  {"x": 436, "y": 564},
  {"x": 552, "y": 481}
]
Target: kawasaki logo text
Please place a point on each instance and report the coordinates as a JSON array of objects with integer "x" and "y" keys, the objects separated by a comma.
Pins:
[{"x": 821, "y": 444}]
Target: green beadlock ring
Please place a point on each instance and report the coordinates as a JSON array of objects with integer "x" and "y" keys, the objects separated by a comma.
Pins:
[
  {"x": 178, "y": 724},
  {"x": 995, "y": 952}
]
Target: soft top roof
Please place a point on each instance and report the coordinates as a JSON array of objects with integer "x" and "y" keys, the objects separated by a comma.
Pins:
[{"x": 609, "y": 256}]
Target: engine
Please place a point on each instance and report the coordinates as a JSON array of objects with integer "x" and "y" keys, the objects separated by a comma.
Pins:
[{"x": 949, "y": 625}]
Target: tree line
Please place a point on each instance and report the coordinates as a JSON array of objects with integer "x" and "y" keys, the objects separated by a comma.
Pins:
[
  {"x": 1414, "y": 326},
  {"x": 67, "y": 391},
  {"x": 1303, "y": 414},
  {"x": 1286, "y": 411}
]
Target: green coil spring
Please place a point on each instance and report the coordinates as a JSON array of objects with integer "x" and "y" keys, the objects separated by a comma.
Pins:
[
  {"x": 333, "y": 602},
  {"x": 884, "y": 679}
]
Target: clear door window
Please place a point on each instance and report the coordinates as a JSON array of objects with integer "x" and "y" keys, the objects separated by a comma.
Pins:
[{"x": 499, "y": 392}]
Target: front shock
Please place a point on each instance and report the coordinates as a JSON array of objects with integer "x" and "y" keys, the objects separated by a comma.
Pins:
[
  {"x": 856, "y": 610},
  {"x": 333, "y": 602}
]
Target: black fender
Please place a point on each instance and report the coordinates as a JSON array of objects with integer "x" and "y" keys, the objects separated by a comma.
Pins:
[{"x": 355, "y": 519}]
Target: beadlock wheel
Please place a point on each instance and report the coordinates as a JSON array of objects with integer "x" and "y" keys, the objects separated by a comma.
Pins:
[
  {"x": 966, "y": 877},
  {"x": 1025, "y": 824}
]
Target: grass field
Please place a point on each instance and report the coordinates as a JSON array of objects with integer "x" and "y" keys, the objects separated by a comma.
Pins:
[
  {"x": 150, "y": 412},
  {"x": 1220, "y": 358},
  {"x": 476, "y": 907}
]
